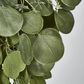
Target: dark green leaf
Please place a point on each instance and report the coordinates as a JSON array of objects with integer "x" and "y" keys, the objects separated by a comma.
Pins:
[
  {"x": 25, "y": 49},
  {"x": 37, "y": 80},
  {"x": 64, "y": 6},
  {"x": 64, "y": 21},
  {"x": 33, "y": 22},
  {"x": 47, "y": 76},
  {"x": 38, "y": 69},
  {"x": 71, "y": 3},
  {"x": 13, "y": 65},
  {"x": 11, "y": 21},
  {"x": 23, "y": 78}
]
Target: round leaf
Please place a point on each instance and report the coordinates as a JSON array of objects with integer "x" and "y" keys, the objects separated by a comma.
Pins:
[
  {"x": 13, "y": 65},
  {"x": 10, "y": 21},
  {"x": 25, "y": 49},
  {"x": 33, "y": 22},
  {"x": 48, "y": 49},
  {"x": 64, "y": 21},
  {"x": 65, "y": 6},
  {"x": 38, "y": 69},
  {"x": 71, "y": 3}
]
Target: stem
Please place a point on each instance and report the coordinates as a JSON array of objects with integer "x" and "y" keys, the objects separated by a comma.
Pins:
[{"x": 31, "y": 5}]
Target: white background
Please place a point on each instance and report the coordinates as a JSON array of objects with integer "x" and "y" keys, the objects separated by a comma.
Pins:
[{"x": 70, "y": 69}]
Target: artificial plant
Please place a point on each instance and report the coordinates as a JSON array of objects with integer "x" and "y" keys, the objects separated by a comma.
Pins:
[{"x": 30, "y": 40}]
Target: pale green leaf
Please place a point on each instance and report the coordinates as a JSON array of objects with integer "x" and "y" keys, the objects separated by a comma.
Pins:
[
  {"x": 13, "y": 65},
  {"x": 11, "y": 21},
  {"x": 25, "y": 49},
  {"x": 33, "y": 22}
]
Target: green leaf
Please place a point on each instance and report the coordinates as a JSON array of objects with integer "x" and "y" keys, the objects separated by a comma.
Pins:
[
  {"x": 3, "y": 79},
  {"x": 13, "y": 65},
  {"x": 47, "y": 76},
  {"x": 23, "y": 78},
  {"x": 51, "y": 32},
  {"x": 43, "y": 6},
  {"x": 37, "y": 80},
  {"x": 64, "y": 21},
  {"x": 1, "y": 57},
  {"x": 11, "y": 2},
  {"x": 11, "y": 21},
  {"x": 38, "y": 69},
  {"x": 33, "y": 22},
  {"x": 25, "y": 49},
  {"x": 48, "y": 49},
  {"x": 64, "y": 6},
  {"x": 71, "y": 3}
]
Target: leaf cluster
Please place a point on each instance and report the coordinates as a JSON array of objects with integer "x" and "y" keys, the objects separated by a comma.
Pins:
[{"x": 30, "y": 40}]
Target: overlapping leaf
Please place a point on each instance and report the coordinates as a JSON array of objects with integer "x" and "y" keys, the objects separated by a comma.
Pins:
[
  {"x": 38, "y": 69},
  {"x": 33, "y": 22},
  {"x": 13, "y": 65},
  {"x": 11, "y": 21},
  {"x": 23, "y": 78},
  {"x": 25, "y": 49},
  {"x": 48, "y": 48},
  {"x": 43, "y": 6},
  {"x": 51, "y": 32},
  {"x": 64, "y": 21},
  {"x": 71, "y": 3},
  {"x": 65, "y": 6}
]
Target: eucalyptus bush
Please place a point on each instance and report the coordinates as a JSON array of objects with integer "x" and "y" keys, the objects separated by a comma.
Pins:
[{"x": 30, "y": 42}]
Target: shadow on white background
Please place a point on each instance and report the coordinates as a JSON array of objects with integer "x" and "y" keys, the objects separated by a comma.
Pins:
[{"x": 70, "y": 69}]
